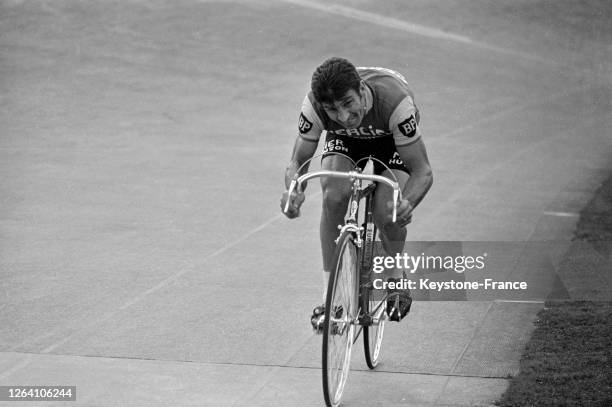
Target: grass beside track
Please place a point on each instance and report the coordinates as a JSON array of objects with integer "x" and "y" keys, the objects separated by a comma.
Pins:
[
  {"x": 568, "y": 360},
  {"x": 595, "y": 223}
]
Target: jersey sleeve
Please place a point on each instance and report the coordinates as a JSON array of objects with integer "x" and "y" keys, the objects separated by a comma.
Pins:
[
  {"x": 310, "y": 125},
  {"x": 404, "y": 122}
]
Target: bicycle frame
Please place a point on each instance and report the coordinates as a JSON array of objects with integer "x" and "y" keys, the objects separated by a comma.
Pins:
[
  {"x": 358, "y": 192},
  {"x": 366, "y": 246}
]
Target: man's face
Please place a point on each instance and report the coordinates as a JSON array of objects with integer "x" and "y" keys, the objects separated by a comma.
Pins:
[{"x": 348, "y": 111}]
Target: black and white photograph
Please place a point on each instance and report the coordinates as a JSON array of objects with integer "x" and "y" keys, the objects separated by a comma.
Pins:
[{"x": 266, "y": 203}]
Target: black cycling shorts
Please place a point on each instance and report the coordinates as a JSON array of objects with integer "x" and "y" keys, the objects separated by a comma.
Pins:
[{"x": 382, "y": 148}]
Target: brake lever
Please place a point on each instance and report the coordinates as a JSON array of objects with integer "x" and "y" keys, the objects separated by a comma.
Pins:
[
  {"x": 292, "y": 186},
  {"x": 395, "y": 204}
]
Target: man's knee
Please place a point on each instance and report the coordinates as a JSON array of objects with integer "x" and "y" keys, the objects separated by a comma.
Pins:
[
  {"x": 383, "y": 207},
  {"x": 336, "y": 192},
  {"x": 384, "y": 222},
  {"x": 335, "y": 197}
]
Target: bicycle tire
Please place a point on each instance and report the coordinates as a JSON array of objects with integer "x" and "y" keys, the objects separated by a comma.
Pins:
[
  {"x": 372, "y": 334},
  {"x": 341, "y": 307}
]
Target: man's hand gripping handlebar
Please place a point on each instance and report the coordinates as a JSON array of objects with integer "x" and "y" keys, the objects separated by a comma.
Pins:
[
  {"x": 294, "y": 196},
  {"x": 291, "y": 200}
]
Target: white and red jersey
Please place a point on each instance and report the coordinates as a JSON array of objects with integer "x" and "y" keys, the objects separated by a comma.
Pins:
[{"x": 391, "y": 111}]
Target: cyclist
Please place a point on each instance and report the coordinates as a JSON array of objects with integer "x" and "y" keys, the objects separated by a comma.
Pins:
[{"x": 365, "y": 112}]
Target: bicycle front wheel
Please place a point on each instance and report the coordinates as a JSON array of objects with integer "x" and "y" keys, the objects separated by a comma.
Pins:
[
  {"x": 341, "y": 307},
  {"x": 373, "y": 304}
]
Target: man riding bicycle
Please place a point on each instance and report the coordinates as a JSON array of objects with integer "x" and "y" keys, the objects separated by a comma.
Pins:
[{"x": 365, "y": 112}]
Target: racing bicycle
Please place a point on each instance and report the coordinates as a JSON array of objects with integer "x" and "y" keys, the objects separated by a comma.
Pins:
[{"x": 352, "y": 305}]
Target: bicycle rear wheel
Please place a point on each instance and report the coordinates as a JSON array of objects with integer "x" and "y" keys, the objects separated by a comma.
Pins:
[
  {"x": 341, "y": 309},
  {"x": 373, "y": 334}
]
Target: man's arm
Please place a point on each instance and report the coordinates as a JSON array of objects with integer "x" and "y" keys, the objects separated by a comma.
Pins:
[
  {"x": 404, "y": 122},
  {"x": 303, "y": 150},
  {"x": 310, "y": 128},
  {"x": 415, "y": 159}
]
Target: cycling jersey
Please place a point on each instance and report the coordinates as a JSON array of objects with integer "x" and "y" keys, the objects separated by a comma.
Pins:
[{"x": 391, "y": 111}]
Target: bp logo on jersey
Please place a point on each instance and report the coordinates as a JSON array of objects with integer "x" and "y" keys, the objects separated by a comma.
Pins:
[
  {"x": 304, "y": 124},
  {"x": 408, "y": 127}
]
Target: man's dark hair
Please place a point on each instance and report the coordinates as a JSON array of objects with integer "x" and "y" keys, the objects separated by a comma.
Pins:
[{"x": 333, "y": 78}]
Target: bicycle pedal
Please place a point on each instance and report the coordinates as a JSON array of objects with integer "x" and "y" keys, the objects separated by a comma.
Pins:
[
  {"x": 397, "y": 310},
  {"x": 317, "y": 326}
]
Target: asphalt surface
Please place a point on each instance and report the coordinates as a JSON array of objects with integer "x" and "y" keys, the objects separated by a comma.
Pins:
[{"x": 142, "y": 253}]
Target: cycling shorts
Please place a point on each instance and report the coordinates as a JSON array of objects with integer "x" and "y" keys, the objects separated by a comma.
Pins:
[{"x": 382, "y": 148}]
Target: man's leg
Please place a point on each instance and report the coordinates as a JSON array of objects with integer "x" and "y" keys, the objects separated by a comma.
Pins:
[
  {"x": 336, "y": 193},
  {"x": 393, "y": 238},
  {"x": 335, "y": 199},
  {"x": 392, "y": 235}
]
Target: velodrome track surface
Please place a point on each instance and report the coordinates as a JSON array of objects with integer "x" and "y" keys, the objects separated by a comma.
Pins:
[{"x": 142, "y": 254}]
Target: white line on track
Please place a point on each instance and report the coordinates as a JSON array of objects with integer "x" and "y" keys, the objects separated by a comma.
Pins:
[
  {"x": 378, "y": 19},
  {"x": 413, "y": 28},
  {"x": 562, "y": 214},
  {"x": 162, "y": 284}
]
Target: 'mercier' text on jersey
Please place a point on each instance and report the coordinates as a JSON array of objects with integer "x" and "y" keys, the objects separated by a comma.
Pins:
[{"x": 392, "y": 111}]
